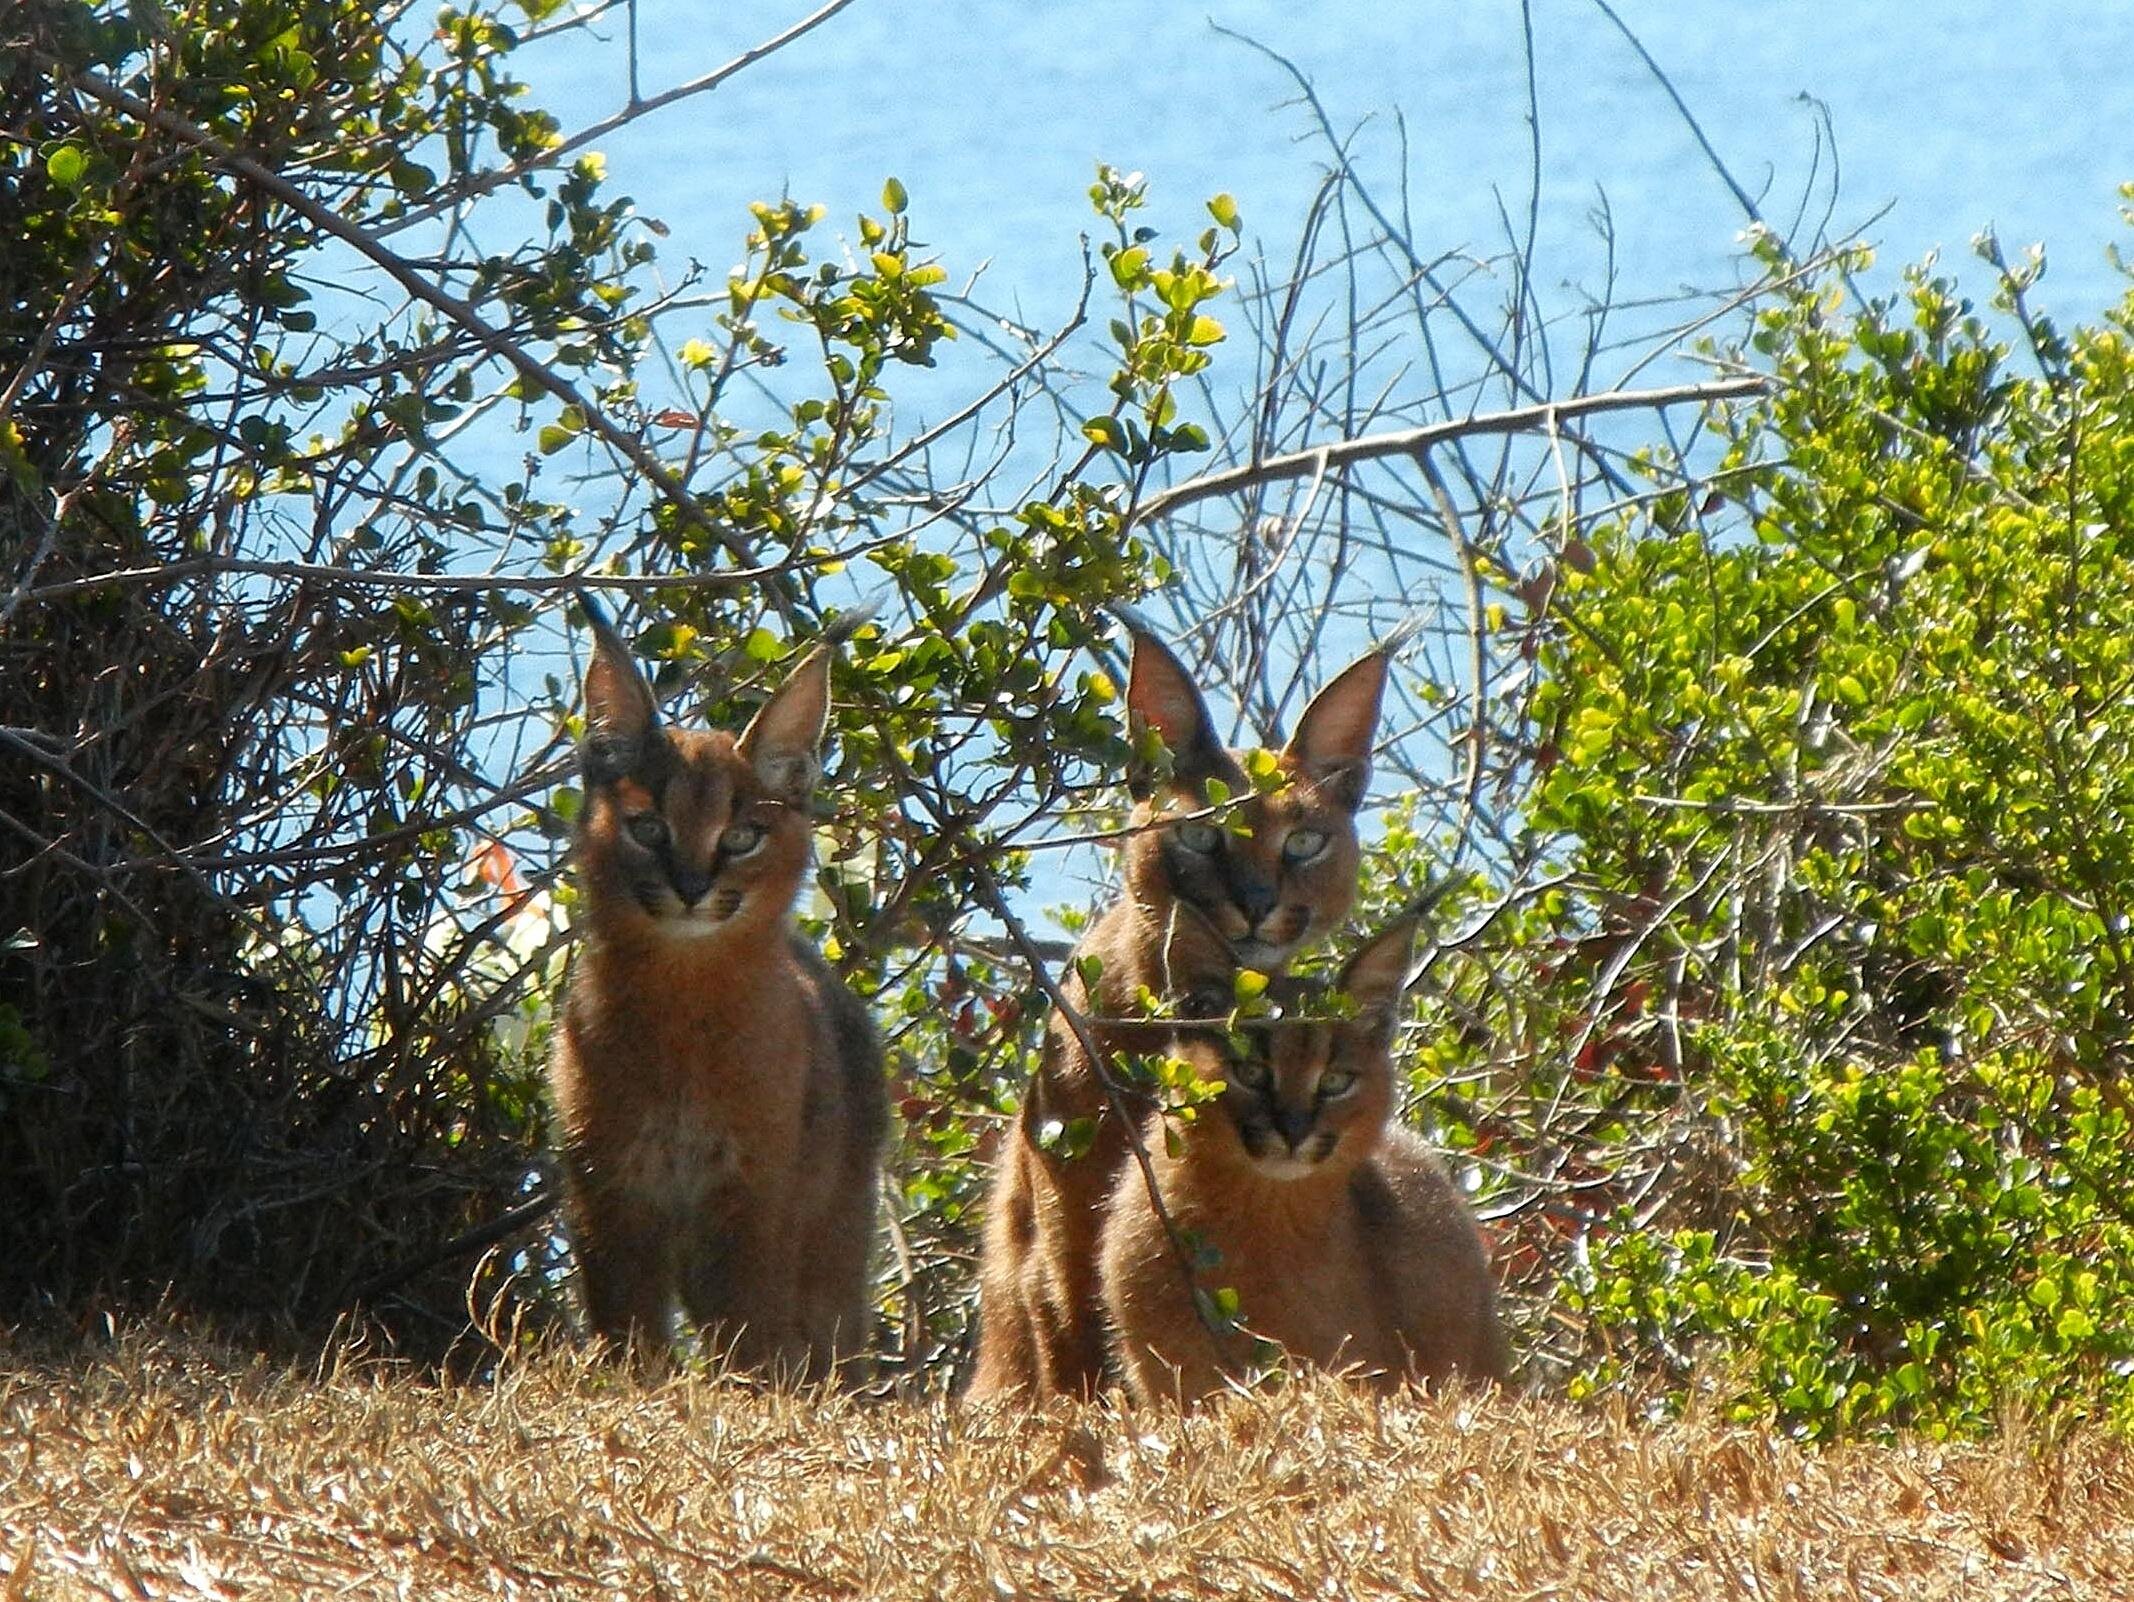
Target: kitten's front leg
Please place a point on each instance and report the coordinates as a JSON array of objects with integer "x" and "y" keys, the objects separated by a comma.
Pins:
[
  {"x": 626, "y": 1262},
  {"x": 739, "y": 1285}
]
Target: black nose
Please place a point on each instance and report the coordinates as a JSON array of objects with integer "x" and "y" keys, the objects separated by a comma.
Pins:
[
  {"x": 1295, "y": 1123},
  {"x": 690, "y": 886},
  {"x": 1255, "y": 901}
]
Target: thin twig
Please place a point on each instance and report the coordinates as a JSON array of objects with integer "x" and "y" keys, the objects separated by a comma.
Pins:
[
  {"x": 1412, "y": 442},
  {"x": 482, "y": 183},
  {"x": 493, "y": 339},
  {"x": 531, "y": 1211}
]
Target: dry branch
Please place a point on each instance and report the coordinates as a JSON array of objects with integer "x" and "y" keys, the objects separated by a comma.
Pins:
[
  {"x": 460, "y": 312},
  {"x": 1412, "y": 442}
]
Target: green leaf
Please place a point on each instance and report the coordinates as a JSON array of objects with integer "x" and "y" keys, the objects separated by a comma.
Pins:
[
  {"x": 1106, "y": 432},
  {"x": 66, "y": 165},
  {"x": 1067, "y": 1140},
  {"x": 1205, "y": 331},
  {"x": 1129, "y": 268},
  {"x": 894, "y": 198},
  {"x": 1224, "y": 210},
  {"x": 1249, "y": 984}
]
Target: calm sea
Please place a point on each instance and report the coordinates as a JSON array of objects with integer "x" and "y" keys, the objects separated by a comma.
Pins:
[
  {"x": 1919, "y": 124},
  {"x": 1947, "y": 118}
]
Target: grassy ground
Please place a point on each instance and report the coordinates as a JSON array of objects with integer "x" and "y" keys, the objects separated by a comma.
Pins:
[{"x": 162, "y": 1469}]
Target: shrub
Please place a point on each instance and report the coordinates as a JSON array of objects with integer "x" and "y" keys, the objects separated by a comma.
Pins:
[{"x": 1834, "y": 741}]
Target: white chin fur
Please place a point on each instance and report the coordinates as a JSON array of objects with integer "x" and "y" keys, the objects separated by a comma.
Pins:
[
  {"x": 691, "y": 925},
  {"x": 1285, "y": 1167}
]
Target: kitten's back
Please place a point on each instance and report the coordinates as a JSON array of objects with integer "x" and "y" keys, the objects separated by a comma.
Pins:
[
  {"x": 1428, "y": 1264},
  {"x": 858, "y": 1049}
]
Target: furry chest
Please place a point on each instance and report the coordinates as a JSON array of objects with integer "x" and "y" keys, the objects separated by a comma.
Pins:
[{"x": 674, "y": 1164}]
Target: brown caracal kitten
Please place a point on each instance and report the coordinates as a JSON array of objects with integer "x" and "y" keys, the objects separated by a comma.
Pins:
[
  {"x": 1345, "y": 1241},
  {"x": 719, "y": 1089},
  {"x": 1269, "y": 874}
]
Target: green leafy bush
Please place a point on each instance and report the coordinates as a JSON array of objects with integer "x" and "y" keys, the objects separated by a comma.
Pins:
[
  {"x": 1834, "y": 739},
  {"x": 332, "y": 367}
]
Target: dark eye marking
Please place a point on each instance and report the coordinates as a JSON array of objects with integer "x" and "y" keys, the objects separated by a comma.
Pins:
[
  {"x": 648, "y": 829},
  {"x": 1249, "y": 1072}
]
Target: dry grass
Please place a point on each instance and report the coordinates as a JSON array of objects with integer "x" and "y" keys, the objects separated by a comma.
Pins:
[{"x": 164, "y": 1469}]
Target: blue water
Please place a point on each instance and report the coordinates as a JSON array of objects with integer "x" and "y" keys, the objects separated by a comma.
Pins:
[
  {"x": 1918, "y": 125},
  {"x": 1954, "y": 116}
]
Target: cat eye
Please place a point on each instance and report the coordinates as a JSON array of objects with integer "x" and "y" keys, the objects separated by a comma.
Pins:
[
  {"x": 1247, "y": 1071},
  {"x": 1303, "y": 844},
  {"x": 1335, "y": 1082},
  {"x": 1200, "y": 838},
  {"x": 649, "y": 830},
  {"x": 741, "y": 839}
]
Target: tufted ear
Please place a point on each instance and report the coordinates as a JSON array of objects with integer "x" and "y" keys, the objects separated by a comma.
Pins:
[
  {"x": 1162, "y": 697},
  {"x": 1332, "y": 745},
  {"x": 783, "y": 742},
  {"x": 619, "y": 707},
  {"x": 1379, "y": 975}
]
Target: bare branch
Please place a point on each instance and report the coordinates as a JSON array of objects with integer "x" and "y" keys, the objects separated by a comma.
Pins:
[
  {"x": 492, "y": 339},
  {"x": 1414, "y": 441},
  {"x": 482, "y": 183}
]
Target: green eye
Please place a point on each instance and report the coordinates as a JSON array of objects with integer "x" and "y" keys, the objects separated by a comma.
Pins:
[
  {"x": 1303, "y": 844},
  {"x": 1335, "y": 1083},
  {"x": 649, "y": 830},
  {"x": 1247, "y": 1071},
  {"x": 1200, "y": 838},
  {"x": 741, "y": 839}
]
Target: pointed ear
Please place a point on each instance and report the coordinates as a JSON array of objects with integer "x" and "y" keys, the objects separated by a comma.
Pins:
[
  {"x": 1379, "y": 975},
  {"x": 1332, "y": 745},
  {"x": 1161, "y": 696},
  {"x": 783, "y": 741},
  {"x": 619, "y": 706}
]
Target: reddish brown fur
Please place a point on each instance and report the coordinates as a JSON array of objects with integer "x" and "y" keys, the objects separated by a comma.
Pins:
[
  {"x": 1353, "y": 1252},
  {"x": 719, "y": 1089},
  {"x": 1041, "y": 1329}
]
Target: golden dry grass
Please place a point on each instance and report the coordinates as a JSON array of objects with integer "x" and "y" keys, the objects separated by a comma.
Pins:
[{"x": 163, "y": 1469}]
